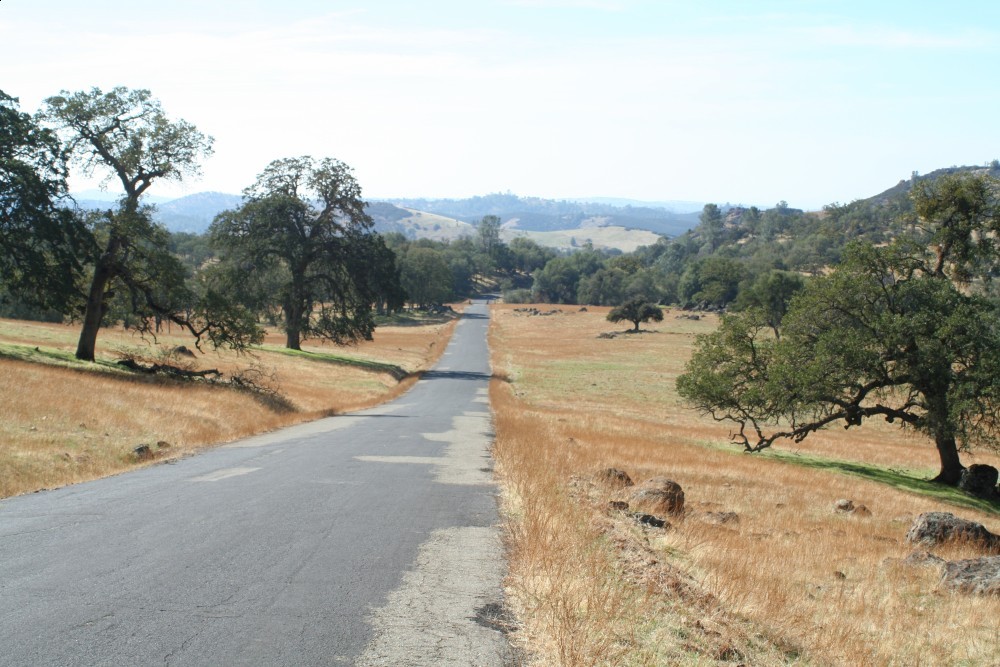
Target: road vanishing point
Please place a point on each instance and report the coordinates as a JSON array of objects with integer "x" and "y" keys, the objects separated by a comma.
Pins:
[{"x": 364, "y": 539}]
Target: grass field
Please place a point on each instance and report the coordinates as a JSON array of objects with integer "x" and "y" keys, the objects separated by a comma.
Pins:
[
  {"x": 761, "y": 570},
  {"x": 62, "y": 421}
]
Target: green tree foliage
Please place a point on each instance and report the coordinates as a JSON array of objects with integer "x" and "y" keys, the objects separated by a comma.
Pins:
[
  {"x": 426, "y": 276},
  {"x": 889, "y": 334},
  {"x": 126, "y": 134},
  {"x": 488, "y": 239},
  {"x": 41, "y": 239},
  {"x": 711, "y": 281},
  {"x": 712, "y": 227},
  {"x": 304, "y": 230},
  {"x": 604, "y": 287},
  {"x": 636, "y": 311},
  {"x": 958, "y": 215},
  {"x": 771, "y": 294}
]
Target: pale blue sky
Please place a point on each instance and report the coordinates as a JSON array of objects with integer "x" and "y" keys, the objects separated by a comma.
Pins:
[{"x": 811, "y": 101}]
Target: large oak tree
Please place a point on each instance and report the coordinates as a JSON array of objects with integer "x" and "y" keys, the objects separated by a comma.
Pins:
[
  {"x": 126, "y": 135},
  {"x": 900, "y": 332},
  {"x": 304, "y": 225}
]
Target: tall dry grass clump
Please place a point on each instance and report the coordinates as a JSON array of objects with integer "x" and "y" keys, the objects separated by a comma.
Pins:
[
  {"x": 760, "y": 570},
  {"x": 62, "y": 422}
]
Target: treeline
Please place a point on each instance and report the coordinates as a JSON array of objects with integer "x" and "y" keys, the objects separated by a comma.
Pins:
[{"x": 300, "y": 251}]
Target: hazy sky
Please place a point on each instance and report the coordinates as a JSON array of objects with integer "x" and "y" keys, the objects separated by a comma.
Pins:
[{"x": 756, "y": 101}]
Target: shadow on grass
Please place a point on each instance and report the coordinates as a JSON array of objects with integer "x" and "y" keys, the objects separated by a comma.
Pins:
[
  {"x": 272, "y": 400},
  {"x": 397, "y": 372},
  {"x": 899, "y": 479},
  {"x": 414, "y": 319}
]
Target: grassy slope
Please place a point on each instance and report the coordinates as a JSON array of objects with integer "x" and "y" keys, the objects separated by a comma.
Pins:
[
  {"x": 64, "y": 421},
  {"x": 789, "y": 581}
]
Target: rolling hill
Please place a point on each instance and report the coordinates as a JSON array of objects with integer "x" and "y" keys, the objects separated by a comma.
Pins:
[{"x": 554, "y": 223}]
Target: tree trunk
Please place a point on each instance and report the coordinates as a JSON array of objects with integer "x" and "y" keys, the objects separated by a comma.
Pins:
[
  {"x": 636, "y": 322},
  {"x": 951, "y": 467},
  {"x": 93, "y": 315},
  {"x": 293, "y": 339},
  {"x": 293, "y": 326}
]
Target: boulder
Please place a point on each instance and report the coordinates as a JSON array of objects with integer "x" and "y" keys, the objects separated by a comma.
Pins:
[
  {"x": 843, "y": 505},
  {"x": 932, "y": 528},
  {"x": 923, "y": 559},
  {"x": 979, "y": 480},
  {"x": 613, "y": 477},
  {"x": 649, "y": 520},
  {"x": 846, "y": 506},
  {"x": 978, "y": 576},
  {"x": 659, "y": 495}
]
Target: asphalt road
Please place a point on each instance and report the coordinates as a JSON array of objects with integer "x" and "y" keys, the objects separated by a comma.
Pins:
[{"x": 365, "y": 539}]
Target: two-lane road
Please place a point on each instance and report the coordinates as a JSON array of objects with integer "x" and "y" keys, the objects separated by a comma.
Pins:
[{"x": 362, "y": 539}]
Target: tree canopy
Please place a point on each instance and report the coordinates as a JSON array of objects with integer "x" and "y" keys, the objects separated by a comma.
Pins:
[
  {"x": 888, "y": 334},
  {"x": 636, "y": 311},
  {"x": 304, "y": 224},
  {"x": 41, "y": 237},
  {"x": 126, "y": 134}
]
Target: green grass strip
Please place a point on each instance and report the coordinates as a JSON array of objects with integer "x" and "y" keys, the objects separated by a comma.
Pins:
[{"x": 53, "y": 357}]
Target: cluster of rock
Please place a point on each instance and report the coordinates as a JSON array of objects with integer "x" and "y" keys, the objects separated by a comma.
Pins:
[
  {"x": 534, "y": 312},
  {"x": 846, "y": 506},
  {"x": 647, "y": 503},
  {"x": 980, "y": 576}
]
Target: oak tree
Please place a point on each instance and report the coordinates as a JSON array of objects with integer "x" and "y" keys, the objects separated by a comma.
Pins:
[
  {"x": 304, "y": 224},
  {"x": 636, "y": 311},
  {"x": 898, "y": 332},
  {"x": 127, "y": 135}
]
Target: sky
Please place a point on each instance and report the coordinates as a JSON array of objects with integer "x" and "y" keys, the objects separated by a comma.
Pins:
[{"x": 807, "y": 101}]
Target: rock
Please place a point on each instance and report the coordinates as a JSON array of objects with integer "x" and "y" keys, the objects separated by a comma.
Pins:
[
  {"x": 861, "y": 510},
  {"x": 980, "y": 481},
  {"x": 923, "y": 558},
  {"x": 613, "y": 477},
  {"x": 978, "y": 576},
  {"x": 932, "y": 528},
  {"x": 618, "y": 506},
  {"x": 649, "y": 520},
  {"x": 659, "y": 495},
  {"x": 143, "y": 452},
  {"x": 843, "y": 505},
  {"x": 721, "y": 517},
  {"x": 163, "y": 444}
]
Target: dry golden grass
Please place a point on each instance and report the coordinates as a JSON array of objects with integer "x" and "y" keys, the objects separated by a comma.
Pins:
[
  {"x": 792, "y": 582},
  {"x": 60, "y": 425}
]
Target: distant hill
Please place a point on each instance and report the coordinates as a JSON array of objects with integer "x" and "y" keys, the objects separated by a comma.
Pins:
[
  {"x": 194, "y": 213},
  {"x": 553, "y": 223},
  {"x": 546, "y": 215}
]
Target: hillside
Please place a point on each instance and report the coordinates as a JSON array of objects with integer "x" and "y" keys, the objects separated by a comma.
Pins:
[
  {"x": 545, "y": 215},
  {"x": 552, "y": 223}
]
